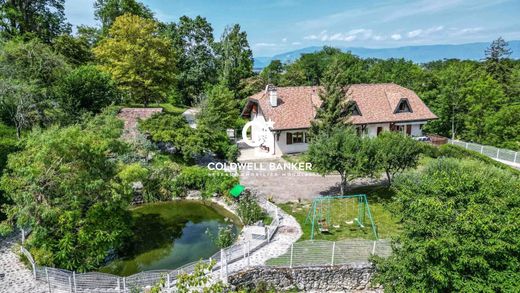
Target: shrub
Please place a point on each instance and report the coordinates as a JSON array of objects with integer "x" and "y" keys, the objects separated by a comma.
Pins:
[
  {"x": 209, "y": 182},
  {"x": 459, "y": 230},
  {"x": 249, "y": 210},
  {"x": 454, "y": 151},
  {"x": 225, "y": 236}
]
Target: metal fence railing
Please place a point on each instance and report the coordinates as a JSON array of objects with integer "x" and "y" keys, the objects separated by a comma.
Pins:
[
  {"x": 490, "y": 151},
  {"x": 321, "y": 253},
  {"x": 59, "y": 280},
  {"x": 305, "y": 253}
]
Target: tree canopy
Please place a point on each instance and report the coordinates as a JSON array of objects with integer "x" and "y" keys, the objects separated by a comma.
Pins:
[
  {"x": 234, "y": 57},
  {"x": 43, "y": 19},
  {"x": 460, "y": 230},
  {"x": 139, "y": 59},
  {"x": 107, "y": 11},
  {"x": 63, "y": 185}
]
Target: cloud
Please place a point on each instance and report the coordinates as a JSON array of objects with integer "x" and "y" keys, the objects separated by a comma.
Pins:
[
  {"x": 465, "y": 31},
  {"x": 265, "y": 45},
  {"x": 284, "y": 40},
  {"x": 425, "y": 32},
  {"x": 310, "y": 37},
  {"x": 414, "y": 33},
  {"x": 296, "y": 43},
  {"x": 396, "y": 37},
  {"x": 355, "y": 34}
]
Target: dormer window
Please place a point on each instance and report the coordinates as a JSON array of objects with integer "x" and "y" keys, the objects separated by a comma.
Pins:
[
  {"x": 353, "y": 109},
  {"x": 403, "y": 107}
]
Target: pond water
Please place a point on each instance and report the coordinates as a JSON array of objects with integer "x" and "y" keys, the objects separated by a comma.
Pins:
[{"x": 168, "y": 235}]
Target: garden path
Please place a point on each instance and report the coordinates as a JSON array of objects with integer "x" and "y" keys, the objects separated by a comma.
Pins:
[{"x": 16, "y": 278}]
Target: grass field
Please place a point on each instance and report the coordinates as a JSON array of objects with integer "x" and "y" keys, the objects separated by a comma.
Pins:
[{"x": 343, "y": 211}]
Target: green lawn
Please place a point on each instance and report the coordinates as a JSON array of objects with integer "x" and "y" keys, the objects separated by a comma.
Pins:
[{"x": 344, "y": 210}]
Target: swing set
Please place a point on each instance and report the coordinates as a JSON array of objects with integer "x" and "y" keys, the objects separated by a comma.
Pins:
[{"x": 319, "y": 213}]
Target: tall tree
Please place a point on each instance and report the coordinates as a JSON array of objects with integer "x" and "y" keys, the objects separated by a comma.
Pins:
[
  {"x": 272, "y": 73},
  {"x": 219, "y": 110},
  {"x": 106, "y": 11},
  {"x": 459, "y": 230},
  {"x": 310, "y": 68},
  {"x": 139, "y": 59},
  {"x": 193, "y": 39},
  {"x": 496, "y": 54},
  {"x": 234, "y": 57},
  {"x": 77, "y": 50},
  {"x": 17, "y": 104},
  {"x": 44, "y": 19},
  {"x": 334, "y": 108},
  {"x": 444, "y": 94},
  {"x": 34, "y": 65},
  {"x": 484, "y": 97}
]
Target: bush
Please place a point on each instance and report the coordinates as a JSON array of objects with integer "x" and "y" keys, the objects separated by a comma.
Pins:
[
  {"x": 429, "y": 150},
  {"x": 459, "y": 230},
  {"x": 249, "y": 210},
  {"x": 454, "y": 151},
  {"x": 209, "y": 182}
]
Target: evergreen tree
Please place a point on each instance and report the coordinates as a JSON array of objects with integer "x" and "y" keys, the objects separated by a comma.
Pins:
[
  {"x": 333, "y": 110},
  {"x": 219, "y": 110},
  {"x": 496, "y": 54}
]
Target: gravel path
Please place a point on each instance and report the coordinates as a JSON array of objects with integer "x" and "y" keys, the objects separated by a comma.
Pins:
[{"x": 17, "y": 278}]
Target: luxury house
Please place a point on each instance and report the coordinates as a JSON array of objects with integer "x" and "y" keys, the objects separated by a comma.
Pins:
[{"x": 373, "y": 108}]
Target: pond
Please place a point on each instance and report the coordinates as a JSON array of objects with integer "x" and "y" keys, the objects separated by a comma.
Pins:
[{"x": 168, "y": 235}]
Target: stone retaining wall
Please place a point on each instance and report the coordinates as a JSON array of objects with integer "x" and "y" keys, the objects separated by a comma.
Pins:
[{"x": 349, "y": 278}]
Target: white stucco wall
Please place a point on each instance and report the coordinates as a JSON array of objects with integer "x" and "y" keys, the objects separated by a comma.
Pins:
[
  {"x": 283, "y": 148},
  {"x": 372, "y": 128}
]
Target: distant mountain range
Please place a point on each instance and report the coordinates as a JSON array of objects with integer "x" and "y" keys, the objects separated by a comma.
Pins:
[{"x": 418, "y": 54}]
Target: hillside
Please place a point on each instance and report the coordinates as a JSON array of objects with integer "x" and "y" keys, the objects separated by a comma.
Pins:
[{"x": 418, "y": 54}]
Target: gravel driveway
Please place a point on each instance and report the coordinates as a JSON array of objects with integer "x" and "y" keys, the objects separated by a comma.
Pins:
[{"x": 286, "y": 186}]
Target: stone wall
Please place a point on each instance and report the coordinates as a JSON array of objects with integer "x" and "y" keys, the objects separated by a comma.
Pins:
[{"x": 349, "y": 278}]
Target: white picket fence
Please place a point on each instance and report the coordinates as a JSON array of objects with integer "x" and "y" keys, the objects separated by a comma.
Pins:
[
  {"x": 490, "y": 151},
  {"x": 59, "y": 280}
]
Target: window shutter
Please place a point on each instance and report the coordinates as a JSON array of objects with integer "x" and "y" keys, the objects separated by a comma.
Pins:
[{"x": 289, "y": 138}]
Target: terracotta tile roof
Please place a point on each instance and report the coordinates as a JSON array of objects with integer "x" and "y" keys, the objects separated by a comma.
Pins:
[{"x": 376, "y": 102}]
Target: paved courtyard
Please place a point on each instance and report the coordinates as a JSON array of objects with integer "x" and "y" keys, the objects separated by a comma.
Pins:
[{"x": 289, "y": 185}]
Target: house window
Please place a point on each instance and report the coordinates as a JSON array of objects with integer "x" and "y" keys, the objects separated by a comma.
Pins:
[
  {"x": 353, "y": 109},
  {"x": 403, "y": 106},
  {"x": 295, "y": 137}
]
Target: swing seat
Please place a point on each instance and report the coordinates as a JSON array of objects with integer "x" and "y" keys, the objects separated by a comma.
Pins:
[
  {"x": 323, "y": 227},
  {"x": 349, "y": 222},
  {"x": 336, "y": 226}
]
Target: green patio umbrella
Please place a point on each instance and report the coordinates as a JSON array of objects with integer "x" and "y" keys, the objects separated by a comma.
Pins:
[{"x": 237, "y": 190}]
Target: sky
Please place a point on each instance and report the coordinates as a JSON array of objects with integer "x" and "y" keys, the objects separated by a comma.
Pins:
[{"x": 278, "y": 26}]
